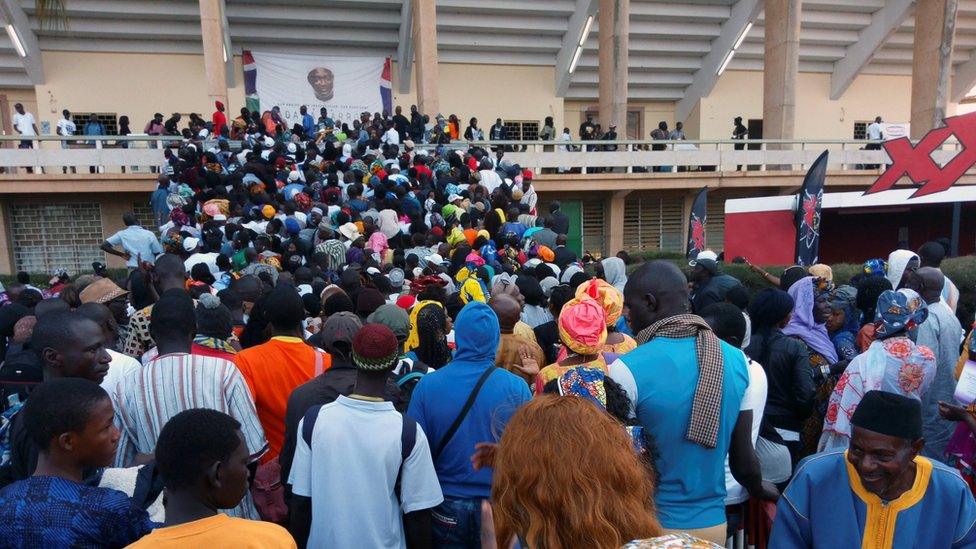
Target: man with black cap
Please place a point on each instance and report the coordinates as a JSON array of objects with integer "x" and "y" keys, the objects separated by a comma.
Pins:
[
  {"x": 880, "y": 492},
  {"x": 709, "y": 284}
]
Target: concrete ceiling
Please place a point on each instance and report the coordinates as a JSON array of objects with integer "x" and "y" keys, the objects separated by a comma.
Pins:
[{"x": 669, "y": 40}]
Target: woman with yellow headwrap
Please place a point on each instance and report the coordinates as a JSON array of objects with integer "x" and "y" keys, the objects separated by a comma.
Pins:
[
  {"x": 583, "y": 330},
  {"x": 455, "y": 237}
]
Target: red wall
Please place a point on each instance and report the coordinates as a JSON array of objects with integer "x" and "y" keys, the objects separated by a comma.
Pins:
[
  {"x": 765, "y": 238},
  {"x": 853, "y": 236},
  {"x": 846, "y": 236}
]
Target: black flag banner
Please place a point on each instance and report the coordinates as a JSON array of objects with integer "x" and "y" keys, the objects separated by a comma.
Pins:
[
  {"x": 697, "y": 219},
  {"x": 807, "y": 217}
]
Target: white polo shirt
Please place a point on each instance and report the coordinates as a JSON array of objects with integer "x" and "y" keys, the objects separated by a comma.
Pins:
[{"x": 350, "y": 471}]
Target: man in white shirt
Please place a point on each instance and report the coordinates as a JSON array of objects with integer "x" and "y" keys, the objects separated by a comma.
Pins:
[
  {"x": 391, "y": 137},
  {"x": 728, "y": 324},
  {"x": 363, "y": 474},
  {"x": 192, "y": 246},
  {"x": 66, "y": 127},
  {"x": 489, "y": 177},
  {"x": 25, "y": 125},
  {"x": 874, "y": 131}
]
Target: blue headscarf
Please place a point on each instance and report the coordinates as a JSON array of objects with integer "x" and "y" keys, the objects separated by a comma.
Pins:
[
  {"x": 898, "y": 312},
  {"x": 589, "y": 383},
  {"x": 845, "y": 339},
  {"x": 875, "y": 267}
]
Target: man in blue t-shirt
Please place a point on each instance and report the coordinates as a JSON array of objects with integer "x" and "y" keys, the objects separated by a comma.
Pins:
[
  {"x": 686, "y": 386},
  {"x": 308, "y": 123},
  {"x": 137, "y": 243},
  {"x": 437, "y": 401}
]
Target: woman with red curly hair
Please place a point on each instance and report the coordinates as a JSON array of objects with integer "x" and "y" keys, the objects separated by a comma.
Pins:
[
  {"x": 598, "y": 495},
  {"x": 893, "y": 363}
]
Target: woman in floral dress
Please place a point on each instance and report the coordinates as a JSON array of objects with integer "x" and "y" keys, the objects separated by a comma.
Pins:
[{"x": 893, "y": 363}]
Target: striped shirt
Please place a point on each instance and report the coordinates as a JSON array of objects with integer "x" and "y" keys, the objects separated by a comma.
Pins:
[{"x": 172, "y": 383}]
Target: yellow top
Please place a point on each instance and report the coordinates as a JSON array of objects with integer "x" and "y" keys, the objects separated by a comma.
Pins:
[
  {"x": 289, "y": 339},
  {"x": 879, "y": 527},
  {"x": 219, "y": 531}
]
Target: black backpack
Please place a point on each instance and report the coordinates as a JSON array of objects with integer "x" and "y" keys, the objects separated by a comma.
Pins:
[
  {"x": 408, "y": 438},
  {"x": 19, "y": 374},
  {"x": 409, "y": 377}
]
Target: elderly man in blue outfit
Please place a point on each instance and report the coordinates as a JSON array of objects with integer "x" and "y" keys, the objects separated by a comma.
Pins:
[{"x": 880, "y": 493}]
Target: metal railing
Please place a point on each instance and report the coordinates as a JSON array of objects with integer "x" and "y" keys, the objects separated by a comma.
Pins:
[{"x": 142, "y": 153}]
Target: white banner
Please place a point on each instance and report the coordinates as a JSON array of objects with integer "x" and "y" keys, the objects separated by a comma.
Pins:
[
  {"x": 346, "y": 86},
  {"x": 895, "y": 130}
]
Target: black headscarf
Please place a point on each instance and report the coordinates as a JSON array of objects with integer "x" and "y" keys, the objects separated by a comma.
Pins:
[{"x": 432, "y": 327}]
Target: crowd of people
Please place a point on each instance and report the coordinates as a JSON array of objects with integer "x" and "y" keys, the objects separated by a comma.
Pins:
[{"x": 328, "y": 342}]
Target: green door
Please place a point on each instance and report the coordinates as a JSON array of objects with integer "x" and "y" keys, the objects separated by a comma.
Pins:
[{"x": 574, "y": 211}]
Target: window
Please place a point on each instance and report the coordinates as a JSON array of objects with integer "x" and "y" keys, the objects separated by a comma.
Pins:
[
  {"x": 861, "y": 130},
  {"x": 593, "y": 228},
  {"x": 109, "y": 120},
  {"x": 51, "y": 235},
  {"x": 522, "y": 130},
  {"x": 635, "y": 122},
  {"x": 654, "y": 223}
]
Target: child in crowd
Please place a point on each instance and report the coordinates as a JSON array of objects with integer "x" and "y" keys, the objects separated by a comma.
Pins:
[
  {"x": 70, "y": 420},
  {"x": 204, "y": 462}
]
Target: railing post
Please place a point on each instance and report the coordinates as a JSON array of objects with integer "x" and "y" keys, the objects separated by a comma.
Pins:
[
  {"x": 630, "y": 165},
  {"x": 100, "y": 168}
]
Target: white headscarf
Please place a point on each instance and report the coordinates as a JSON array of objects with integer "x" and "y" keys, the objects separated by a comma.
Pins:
[
  {"x": 615, "y": 272},
  {"x": 897, "y": 262}
]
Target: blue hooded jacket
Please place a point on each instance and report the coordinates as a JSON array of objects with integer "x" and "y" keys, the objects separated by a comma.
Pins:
[{"x": 440, "y": 395}]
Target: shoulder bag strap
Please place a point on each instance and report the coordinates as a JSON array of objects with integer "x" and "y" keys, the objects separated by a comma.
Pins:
[
  {"x": 408, "y": 439},
  {"x": 463, "y": 413},
  {"x": 311, "y": 415},
  {"x": 318, "y": 363}
]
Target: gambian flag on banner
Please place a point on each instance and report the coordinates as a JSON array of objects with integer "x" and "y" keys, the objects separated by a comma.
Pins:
[
  {"x": 346, "y": 86},
  {"x": 697, "y": 219},
  {"x": 807, "y": 218},
  {"x": 386, "y": 86},
  {"x": 250, "y": 75}
]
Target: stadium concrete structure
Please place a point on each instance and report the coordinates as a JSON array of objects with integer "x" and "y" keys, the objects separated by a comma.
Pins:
[{"x": 807, "y": 71}]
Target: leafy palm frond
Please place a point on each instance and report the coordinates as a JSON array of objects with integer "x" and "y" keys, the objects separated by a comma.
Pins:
[{"x": 51, "y": 14}]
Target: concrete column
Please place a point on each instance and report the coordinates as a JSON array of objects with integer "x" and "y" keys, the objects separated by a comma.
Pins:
[
  {"x": 425, "y": 56},
  {"x": 614, "y": 228},
  {"x": 781, "y": 57},
  {"x": 935, "y": 22},
  {"x": 212, "y": 29},
  {"x": 6, "y": 243},
  {"x": 614, "y": 44}
]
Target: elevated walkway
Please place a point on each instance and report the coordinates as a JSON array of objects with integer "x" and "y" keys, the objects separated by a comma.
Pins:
[{"x": 54, "y": 219}]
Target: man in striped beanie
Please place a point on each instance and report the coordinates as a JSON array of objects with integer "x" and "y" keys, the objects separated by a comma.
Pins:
[
  {"x": 347, "y": 447},
  {"x": 375, "y": 352}
]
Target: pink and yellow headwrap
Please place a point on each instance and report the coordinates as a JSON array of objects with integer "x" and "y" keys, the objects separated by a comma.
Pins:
[
  {"x": 583, "y": 325},
  {"x": 606, "y": 295}
]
